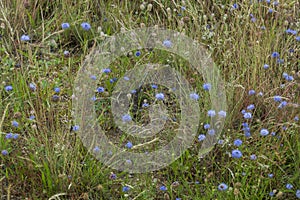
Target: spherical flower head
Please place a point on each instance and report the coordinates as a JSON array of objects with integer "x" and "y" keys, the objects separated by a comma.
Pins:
[
  {"x": 282, "y": 104},
  {"x": 145, "y": 105},
  {"x": 112, "y": 176},
  {"x": 194, "y": 96},
  {"x": 25, "y": 38},
  {"x": 211, "y": 113},
  {"x": 93, "y": 98},
  {"x": 298, "y": 38},
  {"x": 277, "y": 98},
  {"x": 163, "y": 188},
  {"x": 238, "y": 142},
  {"x": 126, "y": 118},
  {"x": 247, "y": 115},
  {"x": 32, "y": 117},
  {"x": 32, "y": 86},
  {"x": 8, "y": 88},
  {"x": 128, "y": 145},
  {"x": 206, "y": 86},
  {"x": 251, "y": 92},
  {"x": 137, "y": 53},
  {"x": 243, "y": 112},
  {"x": 9, "y": 136},
  {"x": 266, "y": 66},
  {"x": 167, "y": 43},
  {"x": 100, "y": 89},
  {"x": 275, "y": 55},
  {"x": 289, "y": 78},
  {"x": 271, "y": 194},
  {"x": 291, "y": 31},
  {"x": 112, "y": 80},
  {"x": 236, "y": 153},
  {"x": 298, "y": 194},
  {"x": 253, "y": 157},
  {"x": 235, "y": 6},
  {"x": 65, "y": 25},
  {"x": 4, "y": 152},
  {"x": 106, "y": 70},
  {"x": 126, "y": 78},
  {"x": 296, "y": 118},
  {"x": 211, "y": 132},
  {"x": 264, "y": 132},
  {"x": 56, "y": 89},
  {"x": 253, "y": 19},
  {"x": 206, "y": 126},
  {"x": 14, "y": 123},
  {"x": 160, "y": 96},
  {"x": 86, "y": 26},
  {"x": 66, "y": 53},
  {"x": 289, "y": 186},
  {"x": 222, "y": 113},
  {"x": 270, "y": 10},
  {"x": 75, "y": 128},
  {"x": 222, "y": 187},
  {"x": 250, "y": 107},
  {"x": 15, "y": 136},
  {"x": 201, "y": 137},
  {"x": 125, "y": 188},
  {"x": 285, "y": 75},
  {"x": 270, "y": 175}
]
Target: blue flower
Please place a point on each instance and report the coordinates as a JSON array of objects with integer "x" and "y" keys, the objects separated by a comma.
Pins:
[
  {"x": 163, "y": 188},
  {"x": 9, "y": 136},
  {"x": 112, "y": 176},
  {"x": 160, "y": 96},
  {"x": 289, "y": 186},
  {"x": 298, "y": 38},
  {"x": 137, "y": 53},
  {"x": 222, "y": 187},
  {"x": 93, "y": 98},
  {"x": 270, "y": 175},
  {"x": 128, "y": 145},
  {"x": 266, "y": 66},
  {"x": 145, "y": 105},
  {"x": 291, "y": 31},
  {"x": 277, "y": 98},
  {"x": 194, "y": 96},
  {"x": 275, "y": 54},
  {"x": 75, "y": 128},
  {"x": 264, "y": 132},
  {"x": 86, "y": 26},
  {"x": 247, "y": 115},
  {"x": 270, "y": 10},
  {"x": 100, "y": 89},
  {"x": 289, "y": 78},
  {"x": 15, "y": 124},
  {"x": 126, "y": 78},
  {"x": 238, "y": 142},
  {"x": 222, "y": 113},
  {"x": 25, "y": 38},
  {"x": 167, "y": 43},
  {"x": 298, "y": 194},
  {"x": 16, "y": 136},
  {"x": 271, "y": 193},
  {"x": 66, "y": 53},
  {"x": 253, "y": 157},
  {"x": 251, "y": 92},
  {"x": 280, "y": 61},
  {"x": 211, "y": 113},
  {"x": 201, "y": 137},
  {"x": 32, "y": 86},
  {"x": 106, "y": 70},
  {"x": 250, "y": 107},
  {"x": 4, "y": 152},
  {"x": 211, "y": 132},
  {"x": 8, "y": 88},
  {"x": 56, "y": 89},
  {"x": 125, "y": 188},
  {"x": 206, "y": 86},
  {"x": 282, "y": 104},
  {"x": 236, "y": 153},
  {"x": 220, "y": 141},
  {"x": 243, "y": 112},
  {"x": 296, "y": 118},
  {"x": 112, "y": 80},
  {"x": 65, "y": 25},
  {"x": 206, "y": 126},
  {"x": 126, "y": 118},
  {"x": 93, "y": 77},
  {"x": 154, "y": 86},
  {"x": 96, "y": 149},
  {"x": 32, "y": 117},
  {"x": 235, "y": 6},
  {"x": 253, "y": 19}
]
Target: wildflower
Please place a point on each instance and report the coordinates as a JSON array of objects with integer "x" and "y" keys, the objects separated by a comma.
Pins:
[
  {"x": 167, "y": 43},
  {"x": 275, "y": 54},
  {"x": 291, "y": 31},
  {"x": 270, "y": 10},
  {"x": 8, "y": 88},
  {"x": 222, "y": 187},
  {"x": 4, "y": 152},
  {"x": 284, "y": 75},
  {"x": 211, "y": 113},
  {"x": 298, "y": 194},
  {"x": 298, "y": 38},
  {"x": 65, "y": 25},
  {"x": 56, "y": 89},
  {"x": 235, "y": 6},
  {"x": 66, "y": 53},
  {"x": 25, "y": 38},
  {"x": 247, "y": 115},
  {"x": 264, "y": 132},
  {"x": 253, "y": 19},
  {"x": 296, "y": 118},
  {"x": 100, "y": 89},
  {"x": 112, "y": 176},
  {"x": 206, "y": 86},
  {"x": 206, "y": 126},
  {"x": 194, "y": 96},
  {"x": 270, "y": 175},
  {"x": 93, "y": 77},
  {"x": 282, "y": 104},
  {"x": 75, "y": 128},
  {"x": 275, "y": 3},
  {"x": 280, "y": 61},
  {"x": 243, "y": 111},
  {"x": 154, "y": 86},
  {"x": 9, "y": 136},
  {"x": 113, "y": 80},
  {"x": 211, "y": 131},
  {"x": 126, "y": 118},
  {"x": 145, "y": 105},
  {"x": 237, "y": 142},
  {"x": 251, "y": 92},
  {"x": 137, "y": 53},
  {"x": 289, "y": 186},
  {"x": 220, "y": 141},
  {"x": 160, "y": 96},
  {"x": 260, "y": 94},
  {"x": 126, "y": 78},
  {"x": 163, "y": 188},
  {"x": 128, "y": 145},
  {"x": 271, "y": 193},
  {"x": 201, "y": 137},
  {"x": 86, "y": 26},
  {"x": 32, "y": 117},
  {"x": 96, "y": 150},
  {"x": 106, "y": 70},
  {"x": 15, "y": 124},
  {"x": 253, "y": 157},
  {"x": 15, "y": 136},
  {"x": 93, "y": 98},
  {"x": 236, "y": 153},
  {"x": 222, "y": 113},
  {"x": 125, "y": 189},
  {"x": 289, "y": 78},
  {"x": 266, "y": 66},
  {"x": 250, "y": 107},
  {"x": 277, "y": 98},
  {"x": 32, "y": 86}
]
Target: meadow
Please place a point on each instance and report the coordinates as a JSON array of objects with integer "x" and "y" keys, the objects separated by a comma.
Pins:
[{"x": 255, "y": 45}]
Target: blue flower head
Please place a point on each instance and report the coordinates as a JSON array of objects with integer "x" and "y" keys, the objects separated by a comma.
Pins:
[
  {"x": 289, "y": 186},
  {"x": 65, "y": 25},
  {"x": 86, "y": 26},
  {"x": 206, "y": 126},
  {"x": 8, "y": 88},
  {"x": 222, "y": 113},
  {"x": 100, "y": 89},
  {"x": 128, "y": 145},
  {"x": 247, "y": 115},
  {"x": 163, "y": 188},
  {"x": 251, "y": 92},
  {"x": 167, "y": 43},
  {"x": 201, "y": 137},
  {"x": 264, "y": 132},
  {"x": 194, "y": 96},
  {"x": 275, "y": 54},
  {"x": 160, "y": 96},
  {"x": 4, "y": 152},
  {"x": 32, "y": 86},
  {"x": 236, "y": 153},
  {"x": 206, "y": 86},
  {"x": 211, "y": 113},
  {"x": 222, "y": 187},
  {"x": 253, "y": 157},
  {"x": 125, "y": 188},
  {"x": 277, "y": 98},
  {"x": 126, "y": 118},
  {"x": 106, "y": 70},
  {"x": 238, "y": 142},
  {"x": 25, "y": 38}
]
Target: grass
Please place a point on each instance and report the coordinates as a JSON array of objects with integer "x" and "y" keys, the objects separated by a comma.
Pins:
[{"x": 48, "y": 159}]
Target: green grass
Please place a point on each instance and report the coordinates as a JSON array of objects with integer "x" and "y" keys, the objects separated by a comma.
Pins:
[{"x": 49, "y": 160}]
